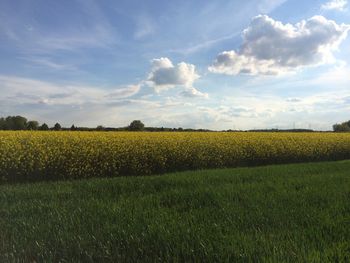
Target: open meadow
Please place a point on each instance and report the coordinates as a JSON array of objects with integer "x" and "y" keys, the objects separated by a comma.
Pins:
[{"x": 279, "y": 213}]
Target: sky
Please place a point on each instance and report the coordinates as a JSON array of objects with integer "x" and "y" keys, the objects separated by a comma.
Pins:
[{"x": 193, "y": 64}]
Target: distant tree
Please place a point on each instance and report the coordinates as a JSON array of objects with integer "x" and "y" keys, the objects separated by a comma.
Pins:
[
  {"x": 343, "y": 127},
  {"x": 136, "y": 125},
  {"x": 44, "y": 127},
  {"x": 57, "y": 127},
  {"x": 3, "y": 125},
  {"x": 9, "y": 123},
  {"x": 16, "y": 123},
  {"x": 100, "y": 128},
  {"x": 32, "y": 125},
  {"x": 73, "y": 128}
]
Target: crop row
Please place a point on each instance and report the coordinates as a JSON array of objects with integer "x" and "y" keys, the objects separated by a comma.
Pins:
[{"x": 34, "y": 156}]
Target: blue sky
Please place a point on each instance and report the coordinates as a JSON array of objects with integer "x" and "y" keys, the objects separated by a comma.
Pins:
[{"x": 201, "y": 64}]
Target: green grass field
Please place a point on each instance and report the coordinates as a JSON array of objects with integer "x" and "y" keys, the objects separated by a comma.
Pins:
[{"x": 282, "y": 213}]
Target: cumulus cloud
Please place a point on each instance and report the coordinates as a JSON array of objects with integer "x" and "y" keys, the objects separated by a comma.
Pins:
[
  {"x": 165, "y": 75},
  {"x": 271, "y": 47},
  {"x": 335, "y": 5}
]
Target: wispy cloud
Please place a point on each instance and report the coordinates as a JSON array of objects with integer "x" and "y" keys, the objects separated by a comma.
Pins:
[
  {"x": 339, "y": 5},
  {"x": 83, "y": 105},
  {"x": 267, "y": 6},
  {"x": 203, "y": 45},
  {"x": 32, "y": 36},
  {"x": 124, "y": 92},
  {"x": 193, "y": 93},
  {"x": 49, "y": 63},
  {"x": 29, "y": 91},
  {"x": 87, "y": 105},
  {"x": 145, "y": 26}
]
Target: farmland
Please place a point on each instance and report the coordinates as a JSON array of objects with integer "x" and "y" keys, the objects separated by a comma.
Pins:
[
  {"x": 274, "y": 213},
  {"x": 279, "y": 213},
  {"x": 37, "y": 156}
]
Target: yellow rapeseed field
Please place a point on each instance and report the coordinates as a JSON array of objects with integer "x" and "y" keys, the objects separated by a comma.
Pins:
[{"x": 32, "y": 156}]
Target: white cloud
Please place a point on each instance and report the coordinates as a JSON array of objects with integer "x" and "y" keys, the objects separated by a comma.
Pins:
[
  {"x": 49, "y": 63},
  {"x": 125, "y": 92},
  {"x": 159, "y": 63},
  {"x": 271, "y": 47},
  {"x": 165, "y": 75},
  {"x": 84, "y": 105},
  {"x": 293, "y": 100},
  {"x": 193, "y": 93},
  {"x": 335, "y": 5},
  {"x": 194, "y": 48},
  {"x": 91, "y": 106},
  {"x": 266, "y": 6},
  {"x": 28, "y": 91},
  {"x": 318, "y": 111}
]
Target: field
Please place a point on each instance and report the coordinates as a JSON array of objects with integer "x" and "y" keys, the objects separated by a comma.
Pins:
[
  {"x": 37, "y": 156},
  {"x": 281, "y": 213}
]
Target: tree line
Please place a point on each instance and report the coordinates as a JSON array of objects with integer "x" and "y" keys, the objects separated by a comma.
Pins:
[
  {"x": 18, "y": 123},
  {"x": 342, "y": 127},
  {"x": 21, "y": 123}
]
